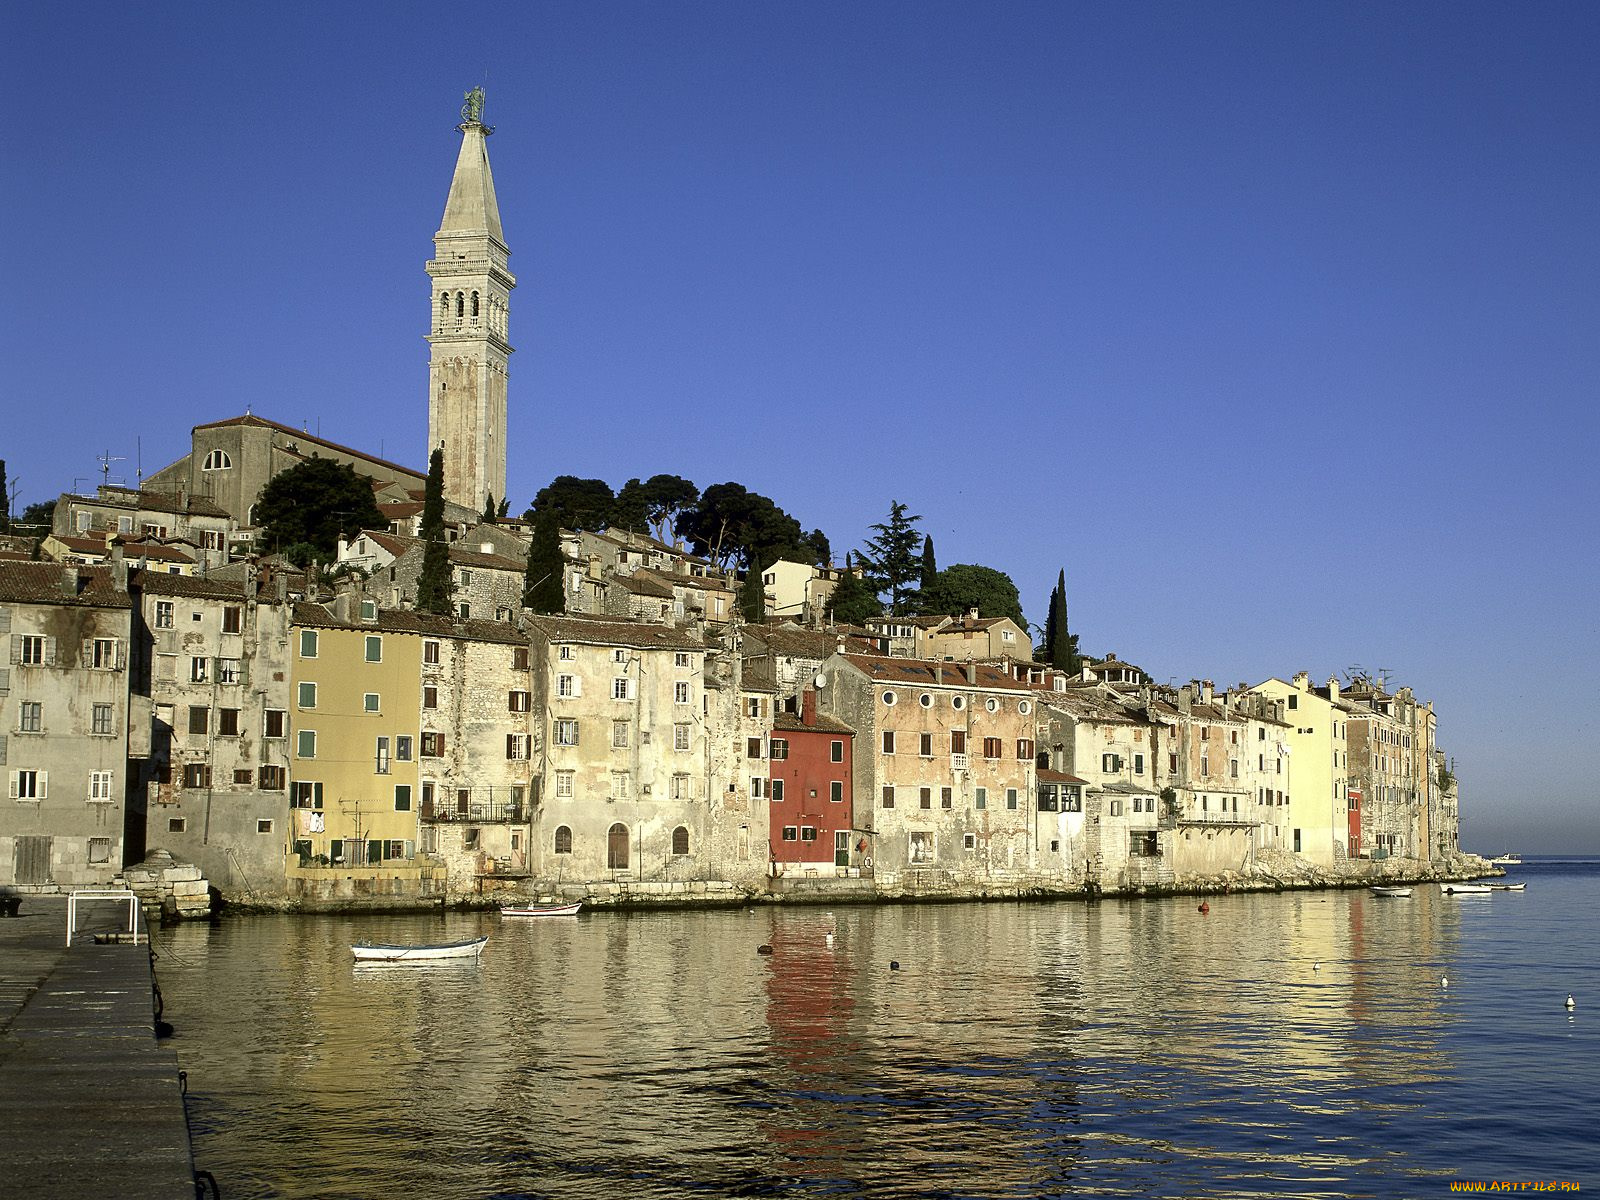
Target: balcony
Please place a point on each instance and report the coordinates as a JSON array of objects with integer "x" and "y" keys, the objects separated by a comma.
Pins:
[
  {"x": 474, "y": 813},
  {"x": 958, "y": 762}
]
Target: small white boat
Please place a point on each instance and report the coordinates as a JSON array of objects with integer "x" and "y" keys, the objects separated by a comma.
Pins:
[
  {"x": 1391, "y": 891},
  {"x": 1507, "y": 859},
  {"x": 1465, "y": 889},
  {"x": 1508, "y": 887},
  {"x": 541, "y": 910},
  {"x": 426, "y": 952}
]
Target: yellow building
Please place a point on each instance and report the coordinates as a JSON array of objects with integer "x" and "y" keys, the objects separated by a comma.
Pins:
[
  {"x": 353, "y": 784},
  {"x": 1313, "y": 761}
]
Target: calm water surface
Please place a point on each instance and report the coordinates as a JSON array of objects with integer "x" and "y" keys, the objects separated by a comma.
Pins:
[{"x": 1120, "y": 1049}]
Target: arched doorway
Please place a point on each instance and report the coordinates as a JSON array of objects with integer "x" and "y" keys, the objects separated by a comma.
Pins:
[{"x": 617, "y": 847}]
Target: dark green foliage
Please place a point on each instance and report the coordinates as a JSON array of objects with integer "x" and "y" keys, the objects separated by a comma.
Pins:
[
  {"x": 891, "y": 557},
  {"x": 966, "y": 585},
  {"x": 852, "y": 601},
  {"x": 1060, "y": 645},
  {"x": 930, "y": 569},
  {"x": 316, "y": 502},
  {"x": 753, "y": 596},
  {"x": 489, "y": 509},
  {"x": 732, "y": 525},
  {"x": 573, "y": 503},
  {"x": 37, "y": 516},
  {"x": 653, "y": 506},
  {"x": 435, "y": 583},
  {"x": 542, "y": 581}
]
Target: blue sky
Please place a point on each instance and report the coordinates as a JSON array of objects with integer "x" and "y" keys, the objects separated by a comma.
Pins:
[{"x": 1274, "y": 325}]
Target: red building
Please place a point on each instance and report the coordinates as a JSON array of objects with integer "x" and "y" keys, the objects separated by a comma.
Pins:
[{"x": 810, "y": 757}]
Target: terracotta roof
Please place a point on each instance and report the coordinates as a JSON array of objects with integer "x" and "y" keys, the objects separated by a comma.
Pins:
[
  {"x": 966, "y": 625},
  {"x": 396, "y": 620},
  {"x": 643, "y": 583},
  {"x": 1045, "y": 775},
  {"x": 788, "y": 722},
  {"x": 262, "y": 423},
  {"x": 813, "y": 644},
  {"x": 394, "y": 543},
  {"x": 397, "y": 509},
  {"x": 594, "y": 630},
  {"x": 160, "y": 583},
  {"x": 167, "y": 502},
  {"x": 920, "y": 673},
  {"x": 757, "y": 675},
  {"x": 47, "y": 583},
  {"x": 488, "y": 562}
]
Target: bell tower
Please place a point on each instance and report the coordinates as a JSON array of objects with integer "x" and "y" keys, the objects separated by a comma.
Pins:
[{"x": 470, "y": 301}]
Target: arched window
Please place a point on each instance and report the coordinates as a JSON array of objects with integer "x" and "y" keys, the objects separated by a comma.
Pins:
[
  {"x": 617, "y": 848},
  {"x": 217, "y": 460},
  {"x": 461, "y": 305},
  {"x": 563, "y": 840},
  {"x": 444, "y": 308},
  {"x": 680, "y": 840},
  {"x": 474, "y": 305}
]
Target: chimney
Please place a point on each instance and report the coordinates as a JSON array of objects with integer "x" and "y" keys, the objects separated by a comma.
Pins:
[
  {"x": 69, "y": 582},
  {"x": 972, "y": 673},
  {"x": 341, "y": 606},
  {"x": 938, "y": 673},
  {"x": 1302, "y": 680},
  {"x": 808, "y": 705},
  {"x": 1333, "y": 688},
  {"x": 1207, "y": 690},
  {"x": 1185, "y": 699},
  {"x": 119, "y": 568}
]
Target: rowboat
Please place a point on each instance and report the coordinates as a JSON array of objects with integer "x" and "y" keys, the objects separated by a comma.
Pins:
[
  {"x": 1391, "y": 891},
  {"x": 1508, "y": 887},
  {"x": 541, "y": 910},
  {"x": 426, "y": 952},
  {"x": 1465, "y": 889}
]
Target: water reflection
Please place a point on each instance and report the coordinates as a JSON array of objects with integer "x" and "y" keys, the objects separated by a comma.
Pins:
[{"x": 1021, "y": 1050}]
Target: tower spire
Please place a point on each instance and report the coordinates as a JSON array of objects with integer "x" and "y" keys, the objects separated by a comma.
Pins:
[{"x": 472, "y": 283}]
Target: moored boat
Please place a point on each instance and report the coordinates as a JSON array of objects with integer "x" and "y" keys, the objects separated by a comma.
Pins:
[
  {"x": 1508, "y": 887},
  {"x": 1391, "y": 891},
  {"x": 1507, "y": 859},
  {"x": 422, "y": 952},
  {"x": 541, "y": 910},
  {"x": 1465, "y": 889}
]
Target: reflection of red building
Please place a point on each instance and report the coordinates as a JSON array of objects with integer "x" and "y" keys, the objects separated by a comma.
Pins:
[{"x": 810, "y": 803}]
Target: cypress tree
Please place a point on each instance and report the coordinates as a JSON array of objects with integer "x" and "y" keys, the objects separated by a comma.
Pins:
[
  {"x": 1060, "y": 647},
  {"x": 542, "y": 580},
  {"x": 434, "y": 585},
  {"x": 489, "y": 508},
  {"x": 753, "y": 594},
  {"x": 930, "y": 569}
]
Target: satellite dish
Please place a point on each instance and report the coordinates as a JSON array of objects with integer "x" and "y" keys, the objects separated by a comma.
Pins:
[{"x": 821, "y": 681}]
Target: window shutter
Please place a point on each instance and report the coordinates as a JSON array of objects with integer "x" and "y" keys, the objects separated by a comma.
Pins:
[
  {"x": 49, "y": 652},
  {"x": 14, "y": 775},
  {"x": 411, "y": 848},
  {"x": 88, "y": 653},
  {"x": 441, "y": 745},
  {"x": 2, "y": 750},
  {"x": 511, "y": 745},
  {"x": 5, "y": 681},
  {"x": 44, "y": 784},
  {"x": 577, "y": 685},
  {"x": 16, "y": 650}
]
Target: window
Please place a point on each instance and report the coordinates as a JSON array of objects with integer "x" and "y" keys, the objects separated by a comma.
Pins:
[
  {"x": 991, "y": 705},
  {"x": 790, "y": 833},
  {"x": 1116, "y": 808},
  {"x": 517, "y": 745},
  {"x": 264, "y": 825},
  {"x": 30, "y": 718},
  {"x": 776, "y": 790},
  {"x": 992, "y": 747},
  {"x": 779, "y": 749},
  {"x": 1024, "y": 749},
  {"x": 101, "y": 720},
  {"x": 980, "y": 798},
  {"x": 100, "y": 787},
  {"x": 622, "y": 688},
  {"x": 890, "y": 699},
  {"x": 228, "y": 670},
  {"x": 305, "y": 794},
  {"x": 566, "y": 733},
  {"x": 232, "y": 618},
  {"x": 563, "y": 842},
  {"x": 30, "y": 785},
  {"x": 755, "y": 706},
  {"x": 681, "y": 661},
  {"x": 308, "y": 643},
  {"x": 958, "y": 741},
  {"x": 30, "y": 650},
  {"x": 99, "y": 849},
  {"x": 681, "y": 789},
  {"x": 680, "y": 840},
  {"x": 402, "y": 748},
  {"x": 217, "y": 460},
  {"x": 808, "y": 833},
  {"x": 680, "y": 692},
  {"x": 619, "y": 655},
  {"x": 836, "y": 752},
  {"x": 568, "y": 685},
  {"x": 369, "y": 702},
  {"x": 969, "y": 841},
  {"x": 517, "y": 701},
  {"x": 1011, "y": 797},
  {"x": 275, "y": 723},
  {"x": 199, "y": 669},
  {"x": 374, "y": 648},
  {"x": 196, "y": 775},
  {"x": 199, "y": 718},
  {"x": 1138, "y": 764},
  {"x": 307, "y": 695},
  {"x": 1024, "y": 707},
  {"x": 888, "y": 741},
  {"x": 228, "y": 722},
  {"x": 680, "y": 736},
  {"x": 430, "y": 697},
  {"x": 888, "y": 795},
  {"x": 564, "y": 653},
  {"x": 925, "y": 700},
  {"x": 958, "y": 702},
  {"x": 432, "y": 745},
  {"x": 270, "y": 779},
  {"x": 402, "y": 797},
  {"x": 381, "y": 764},
  {"x": 103, "y": 654},
  {"x": 619, "y": 735},
  {"x": 430, "y": 653},
  {"x": 163, "y": 614},
  {"x": 925, "y": 797},
  {"x": 925, "y": 745},
  {"x": 306, "y": 744},
  {"x": 946, "y": 797},
  {"x": 177, "y": 824}
]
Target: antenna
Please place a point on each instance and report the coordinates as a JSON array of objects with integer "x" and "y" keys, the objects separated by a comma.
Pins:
[
  {"x": 105, "y": 459},
  {"x": 138, "y": 459}
]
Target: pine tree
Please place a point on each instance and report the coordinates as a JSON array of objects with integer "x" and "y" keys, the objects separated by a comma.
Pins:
[
  {"x": 852, "y": 602},
  {"x": 434, "y": 584},
  {"x": 891, "y": 557}
]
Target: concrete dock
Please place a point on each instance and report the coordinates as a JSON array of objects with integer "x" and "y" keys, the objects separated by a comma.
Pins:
[{"x": 90, "y": 1100}]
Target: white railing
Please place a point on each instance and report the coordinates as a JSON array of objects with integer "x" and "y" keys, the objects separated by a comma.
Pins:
[
  {"x": 958, "y": 762},
  {"x": 105, "y": 894}
]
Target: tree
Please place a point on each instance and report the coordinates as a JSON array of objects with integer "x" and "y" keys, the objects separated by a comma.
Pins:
[
  {"x": 1060, "y": 645},
  {"x": 653, "y": 506},
  {"x": 434, "y": 584},
  {"x": 852, "y": 601},
  {"x": 965, "y": 586},
  {"x": 732, "y": 525},
  {"x": 39, "y": 515},
  {"x": 574, "y": 503},
  {"x": 753, "y": 596},
  {"x": 891, "y": 557},
  {"x": 5, "y": 500},
  {"x": 315, "y": 503},
  {"x": 930, "y": 569},
  {"x": 490, "y": 511},
  {"x": 542, "y": 579}
]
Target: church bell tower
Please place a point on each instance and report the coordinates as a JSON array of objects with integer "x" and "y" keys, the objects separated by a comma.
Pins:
[{"x": 469, "y": 350}]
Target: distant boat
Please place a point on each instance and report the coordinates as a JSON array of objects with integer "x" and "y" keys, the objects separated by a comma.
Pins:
[
  {"x": 541, "y": 910},
  {"x": 1391, "y": 891},
  {"x": 425, "y": 952},
  {"x": 1465, "y": 889},
  {"x": 1508, "y": 887},
  {"x": 1507, "y": 859}
]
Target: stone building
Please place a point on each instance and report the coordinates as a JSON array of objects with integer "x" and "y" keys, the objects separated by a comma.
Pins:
[
  {"x": 620, "y": 573},
  {"x": 180, "y": 515},
  {"x": 973, "y": 638},
  {"x": 944, "y": 768},
  {"x": 470, "y": 350},
  {"x": 810, "y": 801},
  {"x": 208, "y": 746},
  {"x": 64, "y": 640},
  {"x": 1314, "y": 762},
  {"x": 486, "y": 584}
]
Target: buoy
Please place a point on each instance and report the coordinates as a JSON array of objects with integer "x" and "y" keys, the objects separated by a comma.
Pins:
[
  {"x": 894, "y": 965},
  {"x": 763, "y": 949},
  {"x": 1316, "y": 966},
  {"x": 1571, "y": 1003},
  {"x": 1204, "y": 907},
  {"x": 1444, "y": 981},
  {"x": 829, "y": 938}
]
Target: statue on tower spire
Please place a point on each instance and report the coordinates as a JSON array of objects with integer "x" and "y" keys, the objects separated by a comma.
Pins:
[{"x": 472, "y": 110}]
